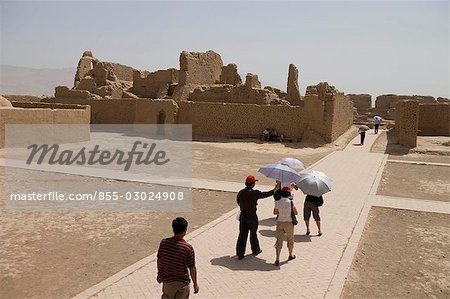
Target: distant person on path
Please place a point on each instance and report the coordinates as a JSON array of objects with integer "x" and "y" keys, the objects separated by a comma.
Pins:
[
  {"x": 362, "y": 132},
  {"x": 175, "y": 257},
  {"x": 247, "y": 199},
  {"x": 377, "y": 121},
  {"x": 311, "y": 205},
  {"x": 283, "y": 208}
]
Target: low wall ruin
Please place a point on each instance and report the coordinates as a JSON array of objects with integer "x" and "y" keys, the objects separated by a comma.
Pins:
[
  {"x": 240, "y": 120},
  {"x": 126, "y": 111},
  {"x": 362, "y": 102},
  {"x": 45, "y": 113},
  {"x": 385, "y": 105},
  {"x": 434, "y": 119}
]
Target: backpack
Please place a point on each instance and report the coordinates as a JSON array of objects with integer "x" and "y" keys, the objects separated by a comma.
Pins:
[{"x": 320, "y": 201}]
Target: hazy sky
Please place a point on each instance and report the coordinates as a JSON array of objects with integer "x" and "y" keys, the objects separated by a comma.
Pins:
[{"x": 360, "y": 47}]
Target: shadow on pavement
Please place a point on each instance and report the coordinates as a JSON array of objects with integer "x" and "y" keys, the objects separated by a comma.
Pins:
[
  {"x": 249, "y": 263},
  {"x": 268, "y": 222},
  {"x": 272, "y": 233}
]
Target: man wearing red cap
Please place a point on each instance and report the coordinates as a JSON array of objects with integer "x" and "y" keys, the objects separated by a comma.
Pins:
[{"x": 247, "y": 199}]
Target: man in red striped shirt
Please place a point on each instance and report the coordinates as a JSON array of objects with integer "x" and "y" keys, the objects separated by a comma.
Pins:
[{"x": 175, "y": 257}]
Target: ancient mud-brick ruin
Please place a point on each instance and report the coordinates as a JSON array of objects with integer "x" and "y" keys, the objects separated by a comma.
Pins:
[
  {"x": 413, "y": 118},
  {"x": 293, "y": 91},
  {"x": 209, "y": 95},
  {"x": 362, "y": 102},
  {"x": 43, "y": 113},
  {"x": 386, "y": 104},
  {"x": 407, "y": 122},
  {"x": 217, "y": 102}
]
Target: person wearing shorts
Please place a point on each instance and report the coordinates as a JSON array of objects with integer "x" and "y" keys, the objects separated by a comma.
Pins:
[
  {"x": 311, "y": 206},
  {"x": 282, "y": 209}
]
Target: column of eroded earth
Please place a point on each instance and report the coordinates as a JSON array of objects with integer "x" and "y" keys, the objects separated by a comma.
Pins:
[
  {"x": 407, "y": 122},
  {"x": 293, "y": 91}
]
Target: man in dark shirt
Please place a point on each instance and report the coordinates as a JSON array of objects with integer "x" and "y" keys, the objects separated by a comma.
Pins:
[
  {"x": 247, "y": 199},
  {"x": 175, "y": 257}
]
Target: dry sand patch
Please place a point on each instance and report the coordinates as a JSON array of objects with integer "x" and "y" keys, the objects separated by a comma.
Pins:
[
  {"x": 416, "y": 181},
  {"x": 401, "y": 254}
]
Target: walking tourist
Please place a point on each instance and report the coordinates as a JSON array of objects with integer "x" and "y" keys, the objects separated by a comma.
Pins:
[
  {"x": 284, "y": 207},
  {"x": 362, "y": 133},
  {"x": 376, "y": 122},
  {"x": 247, "y": 199},
  {"x": 175, "y": 257},
  {"x": 312, "y": 204}
]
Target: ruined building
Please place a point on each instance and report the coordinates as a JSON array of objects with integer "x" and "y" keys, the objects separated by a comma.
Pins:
[{"x": 209, "y": 95}]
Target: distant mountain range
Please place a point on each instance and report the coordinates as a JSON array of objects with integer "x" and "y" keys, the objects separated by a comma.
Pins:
[{"x": 31, "y": 81}]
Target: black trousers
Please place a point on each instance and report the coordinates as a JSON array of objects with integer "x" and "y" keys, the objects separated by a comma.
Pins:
[
  {"x": 376, "y": 128},
  {"x": 363, "y": 135},
  {"x": 247, "y": 223}
]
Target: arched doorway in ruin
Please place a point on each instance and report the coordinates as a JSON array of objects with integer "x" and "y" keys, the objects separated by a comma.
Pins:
[{"x": 160, "y": 123}]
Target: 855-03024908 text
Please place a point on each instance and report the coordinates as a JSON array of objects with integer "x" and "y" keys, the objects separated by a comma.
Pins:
[{"x": 99, "y": 195}]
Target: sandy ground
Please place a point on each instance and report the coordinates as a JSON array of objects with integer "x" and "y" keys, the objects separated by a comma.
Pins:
[
  {"x": 58, "y": 255},
  {"x": 411, "y": 180},
  {"x": 402, "y": 254},
  {"x": 434, "y": 149},
  {"x": 416, "y": 181}
]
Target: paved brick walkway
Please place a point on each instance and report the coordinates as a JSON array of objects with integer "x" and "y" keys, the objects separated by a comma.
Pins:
[{"x": 322, "y": 262}]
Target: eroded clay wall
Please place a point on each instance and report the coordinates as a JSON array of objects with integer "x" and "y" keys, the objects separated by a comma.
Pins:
[
  {"x": 200, "y": 67},
  {"x": 126, "y": 111},
  {"x": 362, "y": 102},
  {"x": 329, "y": 118},
  {"x": 314, "y": 109},
  {"x": 338, "y": 116},
  {"x": 22, "y": 98},
  {"x": 434, "y": 119},
  {"x": 117, "y": 111},
  {"x": 293, "y": 91},
  {"x": 152, "y": 85},
  {"x": 407, "y": 122},
  {"x": 122, "y": 72},
  {"x": 215, "y": 93},
  {"x": 148, "y": 111},
  {"x": 230, "y": 75},
  {"x": 240, "y": 120},
  {"x": 45, "y": 114},
  {"x": 385, "y": 104}
]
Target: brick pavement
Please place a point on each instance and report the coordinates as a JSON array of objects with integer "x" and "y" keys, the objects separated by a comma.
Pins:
[{"x": 322, "y": 262}]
